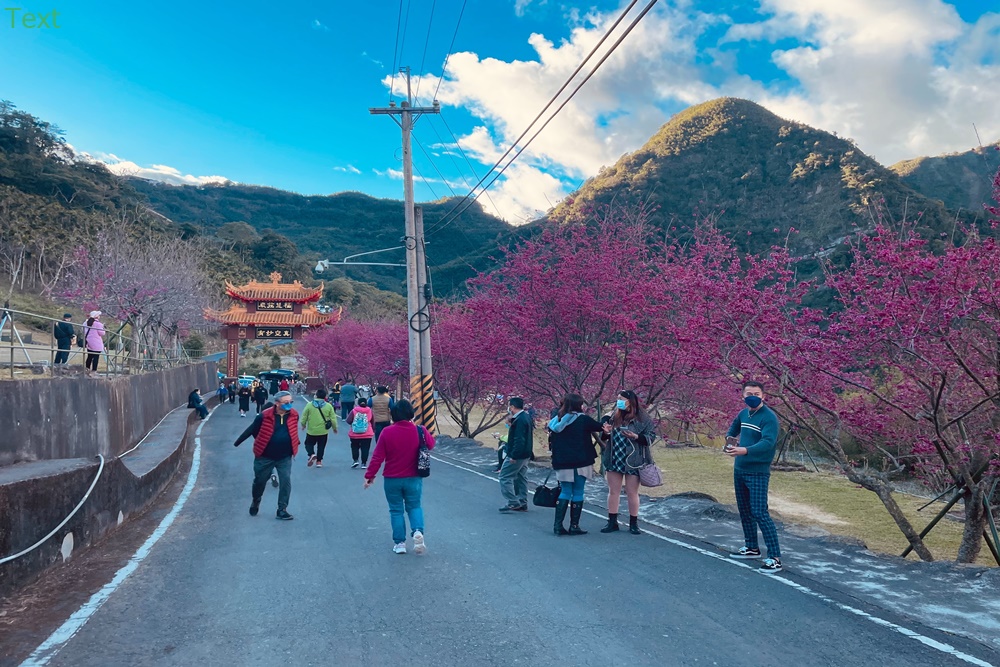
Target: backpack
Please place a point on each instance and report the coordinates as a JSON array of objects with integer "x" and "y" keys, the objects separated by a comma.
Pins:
[{"x": 360, "y": 423}]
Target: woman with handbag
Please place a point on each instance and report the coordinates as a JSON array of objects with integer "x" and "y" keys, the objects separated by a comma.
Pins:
[
  {"x": 399, "y": 446},
  {"x": 629, "y": 432},
  {"x": 573, "y": 456}
]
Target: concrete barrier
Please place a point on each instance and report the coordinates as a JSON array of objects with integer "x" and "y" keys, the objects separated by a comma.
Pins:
[
  {"x": 81, "y": 417},
  {"x": 36, "y": 497}
]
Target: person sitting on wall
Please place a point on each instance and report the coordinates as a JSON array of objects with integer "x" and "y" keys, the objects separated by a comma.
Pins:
[{"x": 194, "y": 401}]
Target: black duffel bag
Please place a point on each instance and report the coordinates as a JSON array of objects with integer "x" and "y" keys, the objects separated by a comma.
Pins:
[{"x": 546, "y": 496}]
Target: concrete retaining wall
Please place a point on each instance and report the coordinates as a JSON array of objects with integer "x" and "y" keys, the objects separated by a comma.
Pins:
[{"x": 80, "y": 417}]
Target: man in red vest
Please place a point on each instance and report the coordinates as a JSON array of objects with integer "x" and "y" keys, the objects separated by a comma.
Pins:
[{"x": 275, "y": 442}]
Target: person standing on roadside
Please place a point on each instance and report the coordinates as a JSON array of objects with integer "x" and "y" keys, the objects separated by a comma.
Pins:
[
  {"x": 514, "y": 471},
  {"x": 65, "y": 335},
  {"x": 348, "y": 395},
  {"x": 283, "y": 385},
  {"x": 381, "y": 404},
  {"x": 231, "y": 391},
  {"x": 399, "y": 448},
  {"x": 629, "y": 431},
  {"x": 573, "y": 456},
  {"x": 751, "y": 441},
  {"x": 317, "y": 420},
  {"x": 244, "y": 394},
  {"x": 275, "y": 443},
  {"x": 93, "y": 338},
  {"x": 361, "y": 433}
]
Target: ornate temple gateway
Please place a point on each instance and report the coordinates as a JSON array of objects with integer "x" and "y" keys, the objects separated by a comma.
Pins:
[{"x": 268, "y": 311}]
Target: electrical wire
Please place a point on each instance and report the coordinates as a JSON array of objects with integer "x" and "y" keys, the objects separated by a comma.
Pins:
[
  {"x": 395, "y": 51},
  {"x": 472, "y": 167},
  {"x": 444, "y": 223},
  {"x": 423, "y": 58},
  {"x": 451, "y": 48},
  {"x": 552, "y": 101},
  {"x": 55, "y": 530},
  {"x": 427, "y": 155}
]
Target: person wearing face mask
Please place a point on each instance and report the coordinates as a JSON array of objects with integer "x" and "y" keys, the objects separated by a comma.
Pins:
[
  {"x": 751, "y": 442},
  {"x": 514, "y": 471},
  {"x": 275, "y": 443},
  {"x": 629, "y": 432}
]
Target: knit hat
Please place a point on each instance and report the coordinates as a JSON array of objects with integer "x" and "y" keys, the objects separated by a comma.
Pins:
[{"x": 95, "y": 313}]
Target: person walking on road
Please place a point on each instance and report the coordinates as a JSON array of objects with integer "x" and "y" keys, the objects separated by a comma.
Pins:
[
  {"x": 573, "y": 456},
  {"x": 65, "y": 335},
  {"x": 275, "y": 443},
  {"x": 317, "y": 420},
  {"x": 398, "y": 448},
  {"x": 260, "y": 396},
  {"x": 244, "y": 394},
  {"x": 348, "y": 394},
  {"x": 514, "y": 471},
  {"x": 751, "y": 441},
  {"x": 93, "y": 339},
  {"x": 381, "y": 404},
  {"x": 283, "y": 385},
  {"x": 335, "y": 393},
  {"x": 231, "y": 391},
  {"x": 629, "y": 430},
  {"x": 361, "y": 433}
]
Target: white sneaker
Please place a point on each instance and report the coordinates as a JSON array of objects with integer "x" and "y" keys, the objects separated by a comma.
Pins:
[
  {"x": 364, "y": 467},
  {"x": 355, "y": 464},
  {"x": 399, "y": 548},
  {"x": 418, "y": 543}
]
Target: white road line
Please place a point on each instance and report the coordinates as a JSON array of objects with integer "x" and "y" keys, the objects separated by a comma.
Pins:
[
  {"x": 906, "y": 632},
  {"x": 65, "y": 632}
]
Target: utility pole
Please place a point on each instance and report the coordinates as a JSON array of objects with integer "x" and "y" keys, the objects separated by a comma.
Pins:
[{"x": 418, "y": 317}]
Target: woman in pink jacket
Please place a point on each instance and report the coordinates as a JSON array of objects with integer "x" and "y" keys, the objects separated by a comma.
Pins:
[
  {"x": 361, "y": 433},
  {"x": 94, "y": 340}
]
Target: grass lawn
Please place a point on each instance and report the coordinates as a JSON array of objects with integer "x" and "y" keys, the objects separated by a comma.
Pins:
[{"x": 824, "y": 500}]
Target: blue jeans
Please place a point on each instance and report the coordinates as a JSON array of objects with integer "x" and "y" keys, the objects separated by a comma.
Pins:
[
  {"x": 573, "y": 490},
  {"x": 403, "y": 493}
]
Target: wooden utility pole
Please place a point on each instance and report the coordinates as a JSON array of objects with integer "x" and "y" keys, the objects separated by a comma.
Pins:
[{"x": 417, "y": 302}]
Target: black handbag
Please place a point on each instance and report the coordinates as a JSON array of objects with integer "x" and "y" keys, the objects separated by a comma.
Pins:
[
  {"x": 424, "y": 456},
  {"x": 546, "y": 496}
]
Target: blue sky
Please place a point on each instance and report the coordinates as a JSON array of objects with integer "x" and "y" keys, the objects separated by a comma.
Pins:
[{"x": 278, "y": 94}]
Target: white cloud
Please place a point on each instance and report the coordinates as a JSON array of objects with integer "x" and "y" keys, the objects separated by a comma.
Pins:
[
  {"x": 901, "y": 77},
  {"x": 349, "y": 169},
  {"x": 154, "y": 172},
  {"x": 394, "y": 174},
  {"x": 317, "y": 25}
]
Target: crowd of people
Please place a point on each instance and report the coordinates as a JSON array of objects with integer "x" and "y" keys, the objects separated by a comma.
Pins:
[{"x": 621, "y": 440}]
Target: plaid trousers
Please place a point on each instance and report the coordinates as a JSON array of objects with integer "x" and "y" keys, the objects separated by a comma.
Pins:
[{"x": 751, "y": 499}]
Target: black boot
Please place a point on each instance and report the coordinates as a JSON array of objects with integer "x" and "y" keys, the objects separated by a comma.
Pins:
[
  {"x": 561, "y": 506},
  {"x": 633, "y": 525},
  {"x": 612, "y": 524},
  {"x": 575, "y": 510}
]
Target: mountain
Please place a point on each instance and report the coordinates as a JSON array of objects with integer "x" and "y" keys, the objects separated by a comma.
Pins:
[
  {"x": 961, "y": 181},
  {"x": 336, "y": 226},
  {"x": 761, "y": 176}
]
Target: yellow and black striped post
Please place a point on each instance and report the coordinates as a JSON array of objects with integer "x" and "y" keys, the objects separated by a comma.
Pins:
[{"x": 422, "y": 397}]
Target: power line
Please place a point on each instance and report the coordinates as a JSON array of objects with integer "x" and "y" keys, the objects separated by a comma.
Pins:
[
  {"x": 423, "y": 58},
  {"x": 472, "y": 167},
  {"x": 427, "y": 155},
  {"x": 395, "y": 50},
  {"x": 451, "y": 48},
  {"x": 448, "y": 219}
]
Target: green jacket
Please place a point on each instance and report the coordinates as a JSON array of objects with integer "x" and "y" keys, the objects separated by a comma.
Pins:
[{"x": 315, "y": 418}]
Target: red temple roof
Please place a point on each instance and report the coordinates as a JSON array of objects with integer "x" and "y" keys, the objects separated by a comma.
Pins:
[
  {"x": 238, "y": 315},
  {"x": 275, "y": 290}
]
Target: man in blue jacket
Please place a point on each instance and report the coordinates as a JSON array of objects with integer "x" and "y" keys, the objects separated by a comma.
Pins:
[{"x": 751, "y": 441}]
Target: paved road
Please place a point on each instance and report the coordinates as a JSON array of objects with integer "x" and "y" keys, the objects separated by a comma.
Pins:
[{"x": 224, "y": 588}]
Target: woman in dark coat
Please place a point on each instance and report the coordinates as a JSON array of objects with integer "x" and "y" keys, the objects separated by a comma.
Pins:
[
  {"x": 244, "y": 395},
  {"x": 573, "y": 456}
]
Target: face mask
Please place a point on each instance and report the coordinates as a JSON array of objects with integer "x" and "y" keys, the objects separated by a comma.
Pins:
[
  {"x": 622, "y": 404},
  {"x": 753, "y": 401},
  {"x": 285, "y": 406}
]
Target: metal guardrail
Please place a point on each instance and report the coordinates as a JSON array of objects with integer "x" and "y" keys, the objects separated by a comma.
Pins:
[{"x": 116, "y": 359}]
